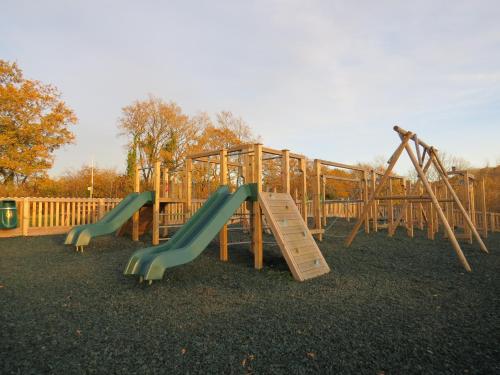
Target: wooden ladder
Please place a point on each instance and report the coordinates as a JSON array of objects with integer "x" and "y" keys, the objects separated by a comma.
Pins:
[{"x": 297, "y": 245}]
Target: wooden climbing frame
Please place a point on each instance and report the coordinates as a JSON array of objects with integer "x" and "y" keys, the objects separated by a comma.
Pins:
[{"x": 421, "y": 164}]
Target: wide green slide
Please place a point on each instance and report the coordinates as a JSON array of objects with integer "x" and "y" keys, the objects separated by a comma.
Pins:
[
  {"x": 111, "y": 222},
  {"x": 193, "y": 237}
]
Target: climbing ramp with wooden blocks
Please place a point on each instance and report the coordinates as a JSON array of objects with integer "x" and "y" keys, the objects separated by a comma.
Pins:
[{"x": 297, "y": 245}]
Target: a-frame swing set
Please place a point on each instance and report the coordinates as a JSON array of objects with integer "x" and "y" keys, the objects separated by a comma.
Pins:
[{"x": 422, "y": 159}]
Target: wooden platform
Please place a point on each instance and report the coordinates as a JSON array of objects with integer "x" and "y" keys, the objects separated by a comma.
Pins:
[{"x": 297, "y": 245}]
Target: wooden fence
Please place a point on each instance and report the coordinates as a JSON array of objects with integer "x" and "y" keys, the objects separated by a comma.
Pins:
[
  {"x": 352, "y": 210},
  {"x": 41, "y": 216},
  {"x": 347, "y": 210},
  {"x": 45, "y": 216}
]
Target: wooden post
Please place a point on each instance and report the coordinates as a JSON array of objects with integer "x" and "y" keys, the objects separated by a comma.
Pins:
[
  {"x": 285, "y": 171},
  {"x": 62, "y": 212},
  {"x": 20, "y": 213},
  {"x": 135, "y": 216},
  {"x": 245, "y": 172},
  {"x": 365, "y": 200},
  {"x": 472, "y": 204},
  {"x": 361, "y": 200},
  {"x": 101, "y": 208},
  {"x": 223, "y": 253},
  {"x": 250, "y": 162},
  {"x": 442, "y": 171},
  {"x": 317, "y": 198},
  {"x": 51, "y": 214},
  {"x": 436, "y": 217},
  {"x": 421, "y": 210},
  {"x": 303, "y": 168},
  {"x": 427, "y": 186},
  {"x": 392, "y": 162},
  {"x": 323, "y": 200},
  {"x": 430, "y": 221},
  {"x": 483, "y": 208},
  {"x": 447, "y": 210},
  {"x": 165, "y": 192},
  {"x": 57, "y": 213},
  {"x": 390, "y": 206},
  {"x": 187, "y": 189},
  {"x": 165, "y": 184},
  {"x": 256, "y": 211},
  {"x": 39, "y": 213},
  {"x": 452, "y": 209},
  {"x": 409, "y": 222},
  {"x": 467, "y": 230},
  {"x": 26, "y": 216},
  {"x": 375, "y": 203},
  {"x": 180, "y": 189},
  {"x": 156, "y": 204}
]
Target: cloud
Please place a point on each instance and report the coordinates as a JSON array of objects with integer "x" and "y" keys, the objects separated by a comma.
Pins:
[{"x": 327, "y": 79}]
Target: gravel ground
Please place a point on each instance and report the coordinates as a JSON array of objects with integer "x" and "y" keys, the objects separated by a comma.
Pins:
[{"x": 389, "y": 306}]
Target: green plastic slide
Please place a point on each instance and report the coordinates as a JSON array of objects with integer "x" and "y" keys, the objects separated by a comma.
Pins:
[
  {"x": 111, "y": 222},
  {"x": 192, "y": 238}
]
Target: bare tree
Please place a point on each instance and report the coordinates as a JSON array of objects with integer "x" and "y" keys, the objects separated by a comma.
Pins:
[
  {"x": 237, "y": 126},
  {"x": 157, "y": 130},
  {"x": 449, "y": 162}
]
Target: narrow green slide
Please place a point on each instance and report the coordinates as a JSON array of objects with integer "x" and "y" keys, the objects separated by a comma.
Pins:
[
  {"x": 111, "y": 222},
  {"x": 193, "y": 237}
]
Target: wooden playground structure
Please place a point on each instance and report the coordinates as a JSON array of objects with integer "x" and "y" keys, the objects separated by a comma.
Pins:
[
  {"x": 244, "y": 164},
  {"x": 290, "y": 185},
  {"x": 422, "y": 159},
  {"x": 376, "y": 200}
]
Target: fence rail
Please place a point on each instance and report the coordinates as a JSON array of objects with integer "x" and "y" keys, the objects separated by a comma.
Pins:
[
  {"x": 39, "y": 216},
  {"x": 45, "y": 216},
  {"x": 353, "y": 210}
]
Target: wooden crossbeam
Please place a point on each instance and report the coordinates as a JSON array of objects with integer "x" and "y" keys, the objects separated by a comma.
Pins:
[
  {"x": 339, "y": 178},
  {"x": 408, "y": 198}
]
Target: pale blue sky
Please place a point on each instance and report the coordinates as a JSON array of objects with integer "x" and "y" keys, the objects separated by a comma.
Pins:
[{"x": 327, "y": 79}]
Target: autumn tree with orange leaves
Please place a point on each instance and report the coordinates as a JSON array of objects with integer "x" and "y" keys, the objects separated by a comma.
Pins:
[
  {"x": 34, "y": 122},
  {"x": 227, "y": 131},
  {"x": 157, "y": 130}
]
